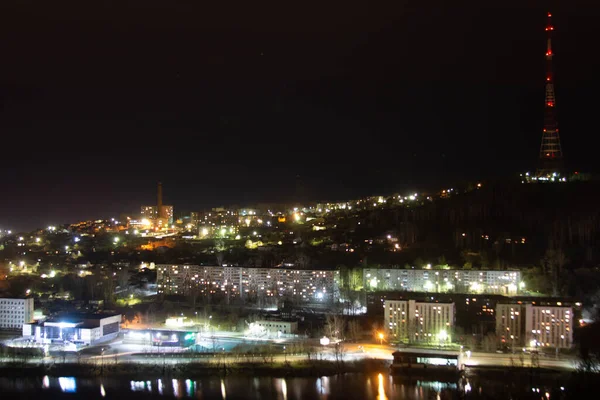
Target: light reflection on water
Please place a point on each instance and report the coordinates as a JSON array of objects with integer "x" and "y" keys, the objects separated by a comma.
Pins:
[
  {"x": 380, "y": 390},
  {"x": 368, "y": 387},
  {"x": 67, "y": 384}
]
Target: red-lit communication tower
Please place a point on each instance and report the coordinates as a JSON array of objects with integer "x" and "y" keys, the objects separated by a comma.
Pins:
[{"x": 551, "y": 157}]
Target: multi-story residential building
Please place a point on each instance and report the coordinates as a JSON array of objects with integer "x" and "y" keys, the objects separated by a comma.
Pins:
[
  {"x": 510, "y": 323},
  {"x": 414, "y": 321},
  {"x": 149, "y": 212},
  {"x": 167, "y": 214},
  {"x": 535, "y": 325},
  {"x": 304, "y": 285},
  {"x": 444, "y": 280},
  {"x": 15, "y": 312}
]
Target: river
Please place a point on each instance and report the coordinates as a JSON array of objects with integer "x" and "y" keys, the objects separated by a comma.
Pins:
[{"x": 375, "y": 386}]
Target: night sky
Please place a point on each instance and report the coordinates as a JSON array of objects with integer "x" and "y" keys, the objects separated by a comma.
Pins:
[{"x": 237, "y": 102}]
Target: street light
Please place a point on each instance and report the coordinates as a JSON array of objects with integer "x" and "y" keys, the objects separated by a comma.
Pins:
[
  {"x": 443, "y": 336},
  {"x": 380, "y": 338}
]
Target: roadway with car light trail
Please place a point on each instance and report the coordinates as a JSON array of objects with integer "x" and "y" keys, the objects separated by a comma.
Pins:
[{"x": 147, "y": 354}]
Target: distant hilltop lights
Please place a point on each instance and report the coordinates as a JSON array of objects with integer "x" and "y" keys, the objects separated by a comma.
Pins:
[
  {"x": 226, "y": 222},
  {"x": 553, "y": 177},
  {"x": 5, "y": 232}
]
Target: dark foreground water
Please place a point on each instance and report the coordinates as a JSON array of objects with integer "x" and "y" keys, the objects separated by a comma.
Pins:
[{"x": 348, "y": 386}]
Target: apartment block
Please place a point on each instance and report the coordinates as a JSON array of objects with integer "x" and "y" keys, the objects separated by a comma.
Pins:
[
  {"x": 502, "y": 282},
  {"x": 15, "y": 312},
  {"x": 304, "y": 285},
  {"x": 414, "y": 321},
  {"x": 535, "y": 325}
]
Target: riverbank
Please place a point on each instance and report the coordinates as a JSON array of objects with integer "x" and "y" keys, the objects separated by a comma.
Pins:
[{"x": 306, "y": 368}]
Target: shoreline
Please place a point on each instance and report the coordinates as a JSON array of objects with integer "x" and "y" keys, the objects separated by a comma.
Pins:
[
  {"x": 315, "y": 368},
  {"x": 303, "y": 368}
]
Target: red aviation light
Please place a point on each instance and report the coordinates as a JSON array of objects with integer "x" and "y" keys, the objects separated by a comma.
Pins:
[
  {"x": 549, "y": 53},
  {"x": 549, "y": 15},
  {"x": 550, "y": 104},
  {"x": 548, "y": 78}
]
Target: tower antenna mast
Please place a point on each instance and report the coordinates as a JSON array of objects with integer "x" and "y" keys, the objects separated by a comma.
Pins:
[{"x": 551, "y": 157}]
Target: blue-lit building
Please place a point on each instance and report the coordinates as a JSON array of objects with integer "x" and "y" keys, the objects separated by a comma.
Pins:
[{"x": 76, "y": 328}]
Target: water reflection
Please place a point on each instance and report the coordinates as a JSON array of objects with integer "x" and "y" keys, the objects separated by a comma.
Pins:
[
  {"x": 140, "y": 386},
  {"x": 380, "y": 390},
  {"x": 223, "y": 392},
  {"x": 175, "y": 383},
  {"x": 67, "y": 384},
  {"x": 384, "y": 387},
  {"x": 284, "y": 389},
  {"x": 323, "y": 386},
  {"x": 189, "y": 388}
]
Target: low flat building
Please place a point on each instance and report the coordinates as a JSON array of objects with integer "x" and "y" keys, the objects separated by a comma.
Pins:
[
  {"x": 78, "y": 329},
  {"x": 414, "y": 321},
  {"x": 274, "y": 327},
  {"x": 15, "y": 312}
]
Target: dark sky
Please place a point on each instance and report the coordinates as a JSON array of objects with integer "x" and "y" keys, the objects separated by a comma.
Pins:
[{"x": 228, "y": 102}]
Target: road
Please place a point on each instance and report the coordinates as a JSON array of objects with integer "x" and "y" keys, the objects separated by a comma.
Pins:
[
  {"x": 123, "y": 352},
  {"x": 384, "y": 352}
]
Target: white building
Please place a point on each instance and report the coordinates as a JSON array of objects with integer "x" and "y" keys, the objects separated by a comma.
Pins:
[
  {"x": 15, "y": 312},
  {"x": 535, "y": 325},
  {"x": 305, "y": 285},
  {"x": 78, "y": 329},
  {"x": 274, "y": 327},
  {"x": 443, "y": 280},
  {"x": 413, "y": 321}
]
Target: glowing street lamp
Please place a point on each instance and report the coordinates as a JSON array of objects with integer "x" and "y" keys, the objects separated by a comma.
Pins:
[
  {"x": 116, "y": 240},
  {"x": 443, "y": 335},
  {"x": 380, "y": 336}
]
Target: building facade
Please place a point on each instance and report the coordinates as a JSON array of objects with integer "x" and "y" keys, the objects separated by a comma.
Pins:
[
  {"x": 414, "y": 321},
  {"x": 151, "y": 213},
  {"x": 502, "y": 282},
  {"x": 302, "y": 285},
  {"x": 15, "y": 312},
  {"x": 531, "y": 325},
  {"x": 277, "y": 327},
  {"x": 77, "y": 329}
]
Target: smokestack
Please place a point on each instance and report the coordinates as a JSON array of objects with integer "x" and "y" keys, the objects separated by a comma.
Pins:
[{"x": 159, "y": 203}]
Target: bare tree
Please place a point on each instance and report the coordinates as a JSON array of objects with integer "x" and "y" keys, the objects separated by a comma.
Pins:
[
  {"x": 490, "y": 342},
  {"x": 354, "y": 329},
  {"x": 553, "y": 262},
  {"x": 123, "y": 279},
  {"x": 339, "y": 350},
  {"x": 220, "y": 258},
  {"x": 303, "y": 260},
  {"x": 335, "y": 325}
]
